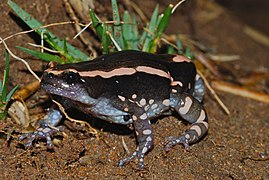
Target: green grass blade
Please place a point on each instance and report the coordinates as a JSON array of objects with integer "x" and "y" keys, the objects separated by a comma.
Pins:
[
  {"x": 127, "y": 30},
  {"x": 105, "y": 40},
  {"x": 117, "y": 29},
  {"x": 10, "y": 94},
  {"x": 42, "y": 55},
  {"x": 170, "y": 50},
  {"x": 135, "y": 34},
  {"x": 188, "y": 53},
  {"x": 151, "y": 28},
  {"x": 1, "y": 88},
  {"x": 162, "y": 24},
  {"x": 33, "y": 23},
  {"x": 97, "y": 24},
  {"x": 142, "y": 39},
  {"x": 164, "y": 21},
  {"x": 179, "y": 45},
  {"x": 5, "y": 78}
]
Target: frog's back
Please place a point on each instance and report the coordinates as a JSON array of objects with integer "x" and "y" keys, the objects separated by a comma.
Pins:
[{"x": 131, "y": 58}]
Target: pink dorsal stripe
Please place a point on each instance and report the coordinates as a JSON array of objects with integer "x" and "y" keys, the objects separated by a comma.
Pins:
[
  {"x": 116, "y": 72},
  {"x": 179, "y": 58}
]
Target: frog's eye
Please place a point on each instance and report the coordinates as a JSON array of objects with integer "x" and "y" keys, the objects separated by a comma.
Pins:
[
  {"x": 126, "y": 117},
  {"x": 71, "y": 77}
]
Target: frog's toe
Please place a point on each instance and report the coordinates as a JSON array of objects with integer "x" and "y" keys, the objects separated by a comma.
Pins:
[
  {"x": 41, "y": 133},
  {"x": 140, "y": 157},
  {"x": 172, "y": 141}
]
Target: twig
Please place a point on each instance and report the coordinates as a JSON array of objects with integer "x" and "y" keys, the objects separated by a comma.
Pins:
[
  {"x": 214, "y": 93},
  {"x": 125, "y": 146},
  {"x": 82, "y": 30},
  {"x": 20, "y": 59},
  {"x": 45, "y": 26},
  {"x": 176, "y": 6},
  {"x": 42, "y": 47},
  {"x": 240, "y": 91},
  {"x": 93, "y": 131},
  {"x": 114, "y": 42}
]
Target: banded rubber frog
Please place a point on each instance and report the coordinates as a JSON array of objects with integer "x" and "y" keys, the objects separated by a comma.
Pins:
[{"x": 132, "y": 87}]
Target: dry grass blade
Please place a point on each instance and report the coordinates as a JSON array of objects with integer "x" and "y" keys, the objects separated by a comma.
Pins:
[
  {"x": 206, "y": 62},
  {"x": 223, "y": 57},
  {"x": 256, "y": 35},
  {"x": 214, "y": 93},
  {"x": 240, "y": 91},
  {"x": 85, "y": 41}
]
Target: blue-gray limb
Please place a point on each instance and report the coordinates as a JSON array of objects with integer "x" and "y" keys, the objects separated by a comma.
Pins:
[
  {"x": 144, "y": 133},
  {"x": 46, "y": 129},
  {"x": 191, "y": 110}
]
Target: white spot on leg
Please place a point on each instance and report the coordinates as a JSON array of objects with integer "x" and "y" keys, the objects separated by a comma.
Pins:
[
  {"x": 121, "y": 98},
  {"x": 154, "y": 106},
  {"x": 142, "y": 102},
  {"x": 205, "y": 124},
  {"x": 134, "y": 96},
  {"x": 46, "y": 130},
  {"x": 166, "y": 102},
  {"x": 197, "y": 129},
  {"x": 144, "y": 150},
  {"x": 175, "y": 83},
  {"x": 174, "y": 91},
  {"x": 147, "y": 132},
  {"x": 197, "y": 77},
  {"x": 146, "y": 108},
  {"x": 187, "y": 136},
  {"x": 134, "y": 117},
  {"x": 186, "y": 107},
  {"x": 202, "y": 116},
  {"x": 151, "y": 101},
  {"x": 143, "y": 116},
  {"x": 189, "y": 85},
  {"x": 149, "y": 139}
]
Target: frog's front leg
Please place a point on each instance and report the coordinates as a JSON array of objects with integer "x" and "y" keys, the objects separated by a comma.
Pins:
[
  {"x": 144, "y": 134},
  {"x": 191, "y": 110},
  {"x": 46, "y": 129}
]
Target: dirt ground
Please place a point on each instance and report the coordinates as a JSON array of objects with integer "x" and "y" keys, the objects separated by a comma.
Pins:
[{"x": 236, "y": 146}]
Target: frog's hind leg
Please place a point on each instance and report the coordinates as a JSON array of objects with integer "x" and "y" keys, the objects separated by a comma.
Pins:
[
  {"x": 144, "y": 133},
  {"x": 199, "y": 88},
  {"x": 191, "y": 110}
]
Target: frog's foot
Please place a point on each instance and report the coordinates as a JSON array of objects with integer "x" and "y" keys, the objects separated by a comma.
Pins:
[
  {"x": 172, "y": 141},
  {"x": 128, "y": 159},
  {"x": 139, "y": 153},
  {"x": 45, "y": 130}
]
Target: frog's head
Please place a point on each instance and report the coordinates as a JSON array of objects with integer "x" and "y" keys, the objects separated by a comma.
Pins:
[{"x": 65, "y": 82}]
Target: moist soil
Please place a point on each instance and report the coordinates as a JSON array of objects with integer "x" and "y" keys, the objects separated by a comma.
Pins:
[{"x": 235, "y": 147}]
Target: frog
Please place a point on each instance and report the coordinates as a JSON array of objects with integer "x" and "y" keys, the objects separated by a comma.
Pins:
[{"x": 131, "y": 87}]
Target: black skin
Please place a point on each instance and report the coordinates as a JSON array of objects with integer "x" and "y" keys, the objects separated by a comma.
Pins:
[{"x": 133, "y": 87}]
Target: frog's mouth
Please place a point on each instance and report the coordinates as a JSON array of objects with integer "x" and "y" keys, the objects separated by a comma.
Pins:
[{"x": 68, "y": 91}]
